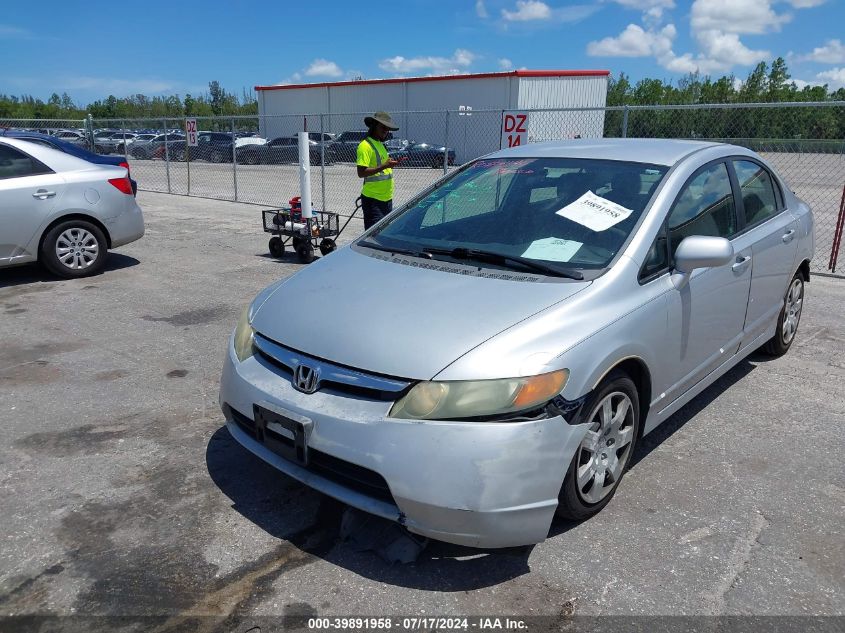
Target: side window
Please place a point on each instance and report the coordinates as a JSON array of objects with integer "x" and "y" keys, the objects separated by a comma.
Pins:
[
  {"x": 705, "y": 206},
  {"x": 758, "y": 192},
  {"x": 16, "y": 164}
]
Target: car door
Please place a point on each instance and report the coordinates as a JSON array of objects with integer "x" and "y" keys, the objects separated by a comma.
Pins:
[
  {"x": 772, "y": 231},
  {"x": 707, "y": 315},
  {"x": 29, "y": 191}
]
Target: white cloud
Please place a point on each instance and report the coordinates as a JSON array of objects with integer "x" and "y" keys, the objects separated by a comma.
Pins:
[
  {"x": 458, "y": 62},
  {"x": 634, "y": 41},
  {"x": 7, "y": 31},
  {"x": 480, "y": 9},
  {"x": 806, "y": 4},
  {"x": 833, "y": 52},
  {"x": 116, "y": 86},
  {"x": 528, "y": 10},
  {"x": 736, "y": 16},
  {"x": 323, "y": 68},
  {"x": 505, "y": 64},
  {"x": 834, "y": 78}
]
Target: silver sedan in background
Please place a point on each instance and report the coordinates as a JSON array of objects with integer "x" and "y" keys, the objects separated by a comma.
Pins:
[
  {"x": 491, "y": 353},
  {"x": 61, "y": 210}
]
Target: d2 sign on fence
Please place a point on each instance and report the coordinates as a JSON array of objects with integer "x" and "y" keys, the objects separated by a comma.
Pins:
[
  {"x": 514, "y": 129},
  {"x": 191, "y": 132}
]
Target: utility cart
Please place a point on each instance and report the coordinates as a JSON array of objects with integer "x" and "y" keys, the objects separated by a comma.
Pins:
[{"x": 304, "y": 235}]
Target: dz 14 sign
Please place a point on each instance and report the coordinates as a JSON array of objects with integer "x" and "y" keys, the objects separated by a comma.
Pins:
[{"x": 514, "y": 129}]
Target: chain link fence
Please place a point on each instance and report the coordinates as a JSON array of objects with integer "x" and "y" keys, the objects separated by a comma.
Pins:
[{"x": 254, "y": 159}]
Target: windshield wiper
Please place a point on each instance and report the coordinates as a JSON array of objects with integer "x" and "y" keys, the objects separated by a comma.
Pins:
[
  {"x": 396, "y": 251},
  {"x": 502, "y": 259}
]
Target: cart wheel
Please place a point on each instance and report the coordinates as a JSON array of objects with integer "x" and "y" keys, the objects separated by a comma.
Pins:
[
  {"x": 305, "y": 252},
  {"x": 277, "y": 247},
  {"x": 296, "y": 241},
  {"x": 327, "y": 246}
]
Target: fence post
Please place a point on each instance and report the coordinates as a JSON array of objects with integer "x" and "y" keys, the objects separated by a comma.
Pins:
[
  {"x": 166, "y": 154},
  {"x": 446, "y": 146},
  {"x": 323, "y": 166},
  {"x": 625, "y": 122},
  {"x": 89, "y": 123},
  {"x": 187, "y": 156},
  {"x": 234, "y": 160}
]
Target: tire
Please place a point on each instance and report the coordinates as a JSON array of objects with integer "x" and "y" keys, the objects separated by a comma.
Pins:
[
  {"x": 594, "y": 460},
  {"x": 216, "y": 156},
  {"x": 327, "y": 245},
  {"x": 305, "y": 253},
  {"x": 249, "y": 158},
  {"x": 788, "y": 319},
  {"x": 277, "y": 247},
  {"x": 74, "y": 248}
]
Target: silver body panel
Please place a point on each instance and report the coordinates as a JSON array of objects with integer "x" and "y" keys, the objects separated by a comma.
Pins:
[
  {"x": 81, "y": 189},
  {"x": 496, "y": 484}
]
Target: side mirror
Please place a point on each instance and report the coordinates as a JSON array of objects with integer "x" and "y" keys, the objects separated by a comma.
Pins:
[{"x": 699, "y": 251}]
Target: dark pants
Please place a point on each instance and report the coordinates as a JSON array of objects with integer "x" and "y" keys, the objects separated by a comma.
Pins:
[{"x": 374, "y": 210}]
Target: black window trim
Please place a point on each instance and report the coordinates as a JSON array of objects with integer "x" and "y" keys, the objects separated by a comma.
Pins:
[
  {"x": 664, "y": 226},
  {"x": 779, "y": 199}
]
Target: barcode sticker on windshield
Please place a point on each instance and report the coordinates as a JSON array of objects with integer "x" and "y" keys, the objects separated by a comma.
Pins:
[
  {"x": 553, "y": 249},
  {"x": 595, "y": 212}
]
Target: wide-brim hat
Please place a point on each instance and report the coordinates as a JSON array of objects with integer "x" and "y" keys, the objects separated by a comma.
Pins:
[{"x": 380, "y": 117}]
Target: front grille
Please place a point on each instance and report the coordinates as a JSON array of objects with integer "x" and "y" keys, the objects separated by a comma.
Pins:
[
  {"x": 339, "y": 471},
  {"x": 338, "y": 378}
]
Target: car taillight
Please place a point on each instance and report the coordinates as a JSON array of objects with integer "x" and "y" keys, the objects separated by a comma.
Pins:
[
  {"x": 126, "y": 165},
  {"x": 123, "y": 184}
]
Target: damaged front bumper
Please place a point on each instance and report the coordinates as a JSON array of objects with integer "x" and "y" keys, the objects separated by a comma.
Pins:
[{"x": 477, "y": 484}]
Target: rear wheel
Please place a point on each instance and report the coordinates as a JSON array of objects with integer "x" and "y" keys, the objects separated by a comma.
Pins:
[
  {"x": 216, "y": 156},
  {"x": 613, "y": 416},
  {"x": 790, "y": 316},
  {"x": 249, "y": 158},
  {"x": 74, "y": 248},
  {"x": 277, "y": 247}
]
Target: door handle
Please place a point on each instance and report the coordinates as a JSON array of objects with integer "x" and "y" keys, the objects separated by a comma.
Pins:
[
  {"x": 787, "y": 237},
  {"x": 43, "y": 194},
  {"x": 741, "y": 262}
]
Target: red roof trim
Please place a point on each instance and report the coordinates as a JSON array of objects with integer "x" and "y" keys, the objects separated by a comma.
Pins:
[{"x": 513, "y": 73}]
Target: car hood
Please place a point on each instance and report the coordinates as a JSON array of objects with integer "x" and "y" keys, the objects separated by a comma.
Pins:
[{"x": 393, "y": 318}]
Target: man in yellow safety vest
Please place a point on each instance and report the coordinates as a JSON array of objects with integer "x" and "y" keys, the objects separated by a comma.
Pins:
[{"x": 376, "y": 168}]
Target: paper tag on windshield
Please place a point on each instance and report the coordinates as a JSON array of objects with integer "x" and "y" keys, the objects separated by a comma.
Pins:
[
  {"x": 553, "y": 249},
  {"x": 595, "y": 212}
]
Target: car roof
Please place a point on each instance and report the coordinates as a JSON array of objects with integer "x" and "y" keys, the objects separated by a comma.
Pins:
[
  {"x": 53, "y": 158},
  {"x": 639, "y": 150}
]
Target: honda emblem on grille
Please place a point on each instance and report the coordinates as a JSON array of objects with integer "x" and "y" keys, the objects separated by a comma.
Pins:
[{"x": 305, "y": 379}]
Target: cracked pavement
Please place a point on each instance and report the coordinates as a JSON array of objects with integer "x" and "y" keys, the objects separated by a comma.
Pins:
[{"x": 123, "y": 495}]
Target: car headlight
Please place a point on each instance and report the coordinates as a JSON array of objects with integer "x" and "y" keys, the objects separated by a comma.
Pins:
[
  {"x": 476, "y": 398},
  {"x": 243, "y": 337}
]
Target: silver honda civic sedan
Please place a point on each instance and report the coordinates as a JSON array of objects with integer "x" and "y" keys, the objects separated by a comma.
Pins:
[{"x": 490, "y": 354}]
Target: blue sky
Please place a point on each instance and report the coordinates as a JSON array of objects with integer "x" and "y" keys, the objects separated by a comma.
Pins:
[{"x": 94, "y": 49}]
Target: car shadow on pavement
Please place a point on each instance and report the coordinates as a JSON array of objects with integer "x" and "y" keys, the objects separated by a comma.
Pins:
[
  {"x": 271, "y": 500},
  {"x": 651, "y": 441},
  {"x": 33, "y": 273}
]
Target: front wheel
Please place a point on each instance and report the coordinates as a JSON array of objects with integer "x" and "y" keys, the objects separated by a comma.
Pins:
[
  {"x": 327, "y": 245},
  {"x": 277, "y": 247},
  {"x": 74, "y": 248},
  {"x": 790, "y": 315},
  {"x": 613, "y": 416},
  {"x": 305, "y": 252}
]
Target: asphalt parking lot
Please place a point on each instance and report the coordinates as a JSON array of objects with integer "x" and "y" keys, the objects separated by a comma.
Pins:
[{"x": 123, "y": 493}]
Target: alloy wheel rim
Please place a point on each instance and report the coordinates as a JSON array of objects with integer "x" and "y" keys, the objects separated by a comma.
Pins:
[
  {"x": 792, "y": 314},
  {"x": 77, "y": 248},
  {"x": 605, "y": 449}
]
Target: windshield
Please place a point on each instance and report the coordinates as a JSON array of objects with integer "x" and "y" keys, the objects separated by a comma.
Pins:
[{"x": 549, "y": 209}]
